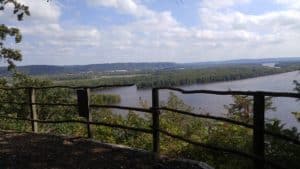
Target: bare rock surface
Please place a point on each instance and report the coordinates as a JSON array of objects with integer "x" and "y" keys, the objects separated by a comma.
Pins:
[{"x": 43, "y": 151}]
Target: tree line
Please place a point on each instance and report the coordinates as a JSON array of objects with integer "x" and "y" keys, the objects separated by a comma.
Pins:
[{"x": 177, "y": 77}]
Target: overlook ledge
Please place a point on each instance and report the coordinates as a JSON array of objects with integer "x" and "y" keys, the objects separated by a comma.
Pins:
[{"x": 35, "y": 151}]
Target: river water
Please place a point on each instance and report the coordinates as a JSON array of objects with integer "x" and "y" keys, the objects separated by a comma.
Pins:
[{"x": 204, "y": 103}]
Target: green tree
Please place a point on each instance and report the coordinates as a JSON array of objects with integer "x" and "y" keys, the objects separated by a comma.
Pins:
[
  {"x": 297, "y": 89},
  {"x": 276, "y": 149},
  {"x": 297, "y": 115},
  {"x": 8, "y": 54},
  {"x": 280, "y": 150},
  {"x": 242, "y": 108}
]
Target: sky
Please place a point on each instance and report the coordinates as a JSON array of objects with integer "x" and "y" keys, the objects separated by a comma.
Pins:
[{"x": 68, "y": 32}]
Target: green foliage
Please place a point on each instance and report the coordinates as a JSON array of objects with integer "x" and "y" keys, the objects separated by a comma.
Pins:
[
  {"x": 278, "y": 150},
  {"x": 242, "y": 108},
  {"x": 9, "y": 54},
  {"x": 181, "y": 77},
  {"x": 204, "y": 131},
  {"x": 297, "y": 115},
  {"x": 19, "y": 9},
  {"x": 196, "y": 129},
  {"x": 176, "y": 123},
  {"x": 297, "y": 89},
  {"x": 56, "y": 95},
  {"x": 105, "y": 99}
]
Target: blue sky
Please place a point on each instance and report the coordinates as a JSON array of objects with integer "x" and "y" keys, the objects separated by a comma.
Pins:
[{"x": 66, "y": 32}]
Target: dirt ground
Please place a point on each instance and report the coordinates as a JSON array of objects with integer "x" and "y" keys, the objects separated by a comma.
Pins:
[{"x": 42, "y": 151}]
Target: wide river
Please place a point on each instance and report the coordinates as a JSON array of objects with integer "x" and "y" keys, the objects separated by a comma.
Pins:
[{"x": 213, "y": 104}]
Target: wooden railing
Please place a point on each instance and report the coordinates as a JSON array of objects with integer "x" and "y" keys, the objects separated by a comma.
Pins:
[{"x": 83, "y": 105}]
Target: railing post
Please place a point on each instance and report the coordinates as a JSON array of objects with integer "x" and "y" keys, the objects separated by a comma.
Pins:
[
  {"x": 84, "y": 108},
  {"x": 155, "y": 122},
  {"x": 33, "y": 112},
  {"x": 258, "y": 130}
]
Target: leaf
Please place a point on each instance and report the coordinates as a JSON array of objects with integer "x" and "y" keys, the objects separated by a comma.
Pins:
[
  {"x": 18, "y": 38},
  {"x": 15, "y": 11},
  {"x": 27, "y": 13},
  {"x": 20, "y": 16}
]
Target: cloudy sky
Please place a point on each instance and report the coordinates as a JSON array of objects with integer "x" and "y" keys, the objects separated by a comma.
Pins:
[{"x": 68, "y": 32}]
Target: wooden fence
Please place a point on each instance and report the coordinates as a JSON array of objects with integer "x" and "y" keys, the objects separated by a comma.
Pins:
[{"x": 83, "y": 105}]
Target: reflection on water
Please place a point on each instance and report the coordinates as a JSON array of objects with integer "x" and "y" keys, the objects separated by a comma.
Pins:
[{"x": 215, "y": 104}]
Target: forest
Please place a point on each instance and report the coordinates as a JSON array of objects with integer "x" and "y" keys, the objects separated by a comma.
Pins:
[
  {"x": 203, "y": 130},
  {"x": 180, "y": 77}
]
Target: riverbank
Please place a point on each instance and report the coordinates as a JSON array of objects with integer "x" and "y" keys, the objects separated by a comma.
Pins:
[{"x": 183, "y": 77}]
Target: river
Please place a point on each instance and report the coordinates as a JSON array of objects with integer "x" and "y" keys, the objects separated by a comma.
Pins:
[{"x": 204, "y": 103}]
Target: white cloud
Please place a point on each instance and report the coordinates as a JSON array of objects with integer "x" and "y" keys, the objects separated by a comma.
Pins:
[
  {"x": 57, "y": 37},
  {"x": 146, "y": 18},
  {"x": 124, "y": 6},
  {"x": 235, "y": 34},
  {"x": 43, "y": 11},
  {"x": 224, "y": 33},
  {"x": 44, "y": 35},
  {"x": 294, "y": 4},
  {"x": 219, "y": 4}
]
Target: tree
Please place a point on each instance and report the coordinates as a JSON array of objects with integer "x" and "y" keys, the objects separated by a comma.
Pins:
[
  {"x": 242, "y": 107},
  {"x": 8, "y": 54},
  {"x": 297, "y": 89},
  {"x": 297, "y": 115}
]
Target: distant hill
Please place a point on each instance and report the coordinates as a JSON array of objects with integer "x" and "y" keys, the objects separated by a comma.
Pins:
[
  {"x": 243, "y": 61},
  {"x": 123, "y": 67},
  {"x": 75, "y": 69}
]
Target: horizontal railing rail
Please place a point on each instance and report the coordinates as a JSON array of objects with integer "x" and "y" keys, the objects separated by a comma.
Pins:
[
  {"x": 83, "y": 105},
  {"x": 208, "y": 117},
  {"x": 122, "y": 108},
  {"x": 40, "y": 104},
  {"x": 65, "y": 87},
  {"x": 75, "y": 105},
  {"x": 247, "y": 93},
  {"x": 82, "y": 122}
]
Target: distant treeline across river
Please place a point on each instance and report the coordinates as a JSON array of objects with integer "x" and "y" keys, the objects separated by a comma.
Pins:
[{"x": 180, "y": 77}]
